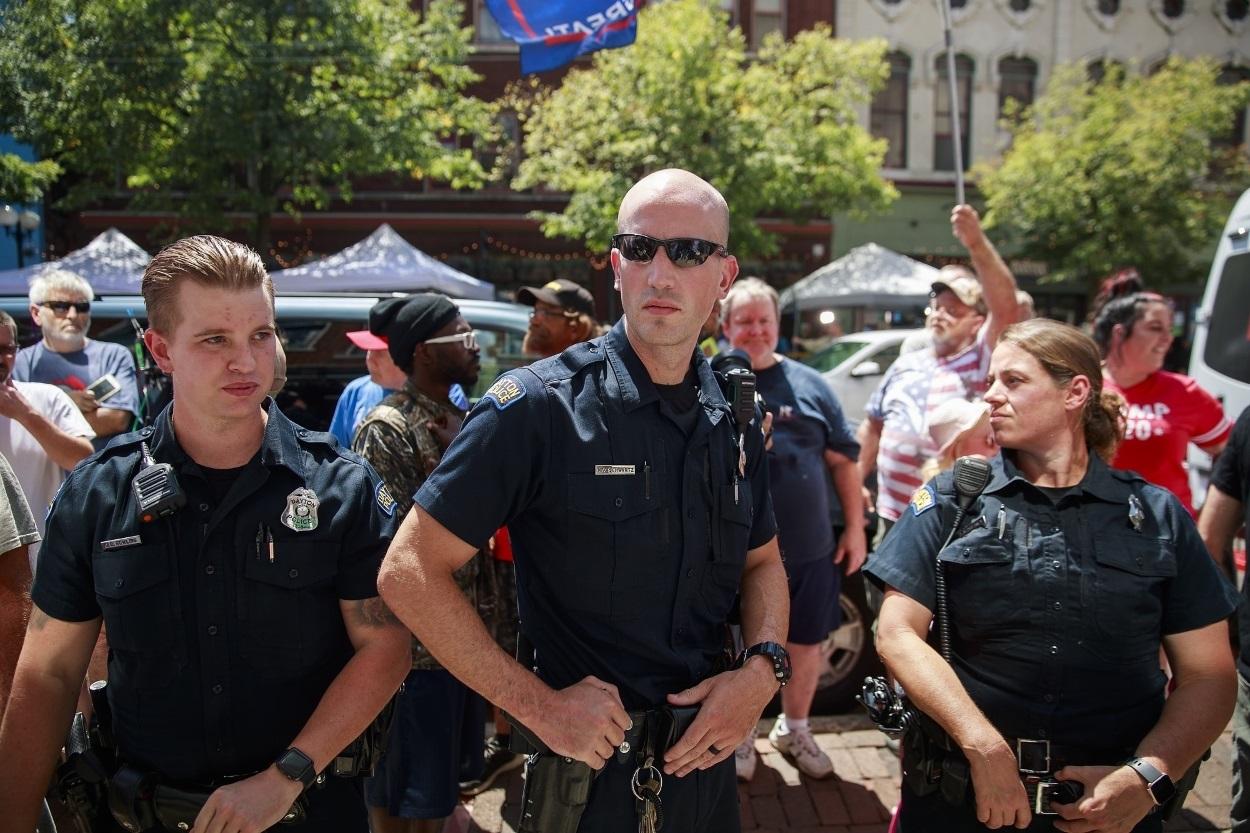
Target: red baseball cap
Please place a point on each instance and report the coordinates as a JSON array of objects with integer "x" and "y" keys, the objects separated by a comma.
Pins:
[{"x": 366, "y": 340}]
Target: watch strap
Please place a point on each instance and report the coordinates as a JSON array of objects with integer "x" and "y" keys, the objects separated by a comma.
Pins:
[
  {"x": 776, "y": 653},
  {"x": 1158, "y": 783}
]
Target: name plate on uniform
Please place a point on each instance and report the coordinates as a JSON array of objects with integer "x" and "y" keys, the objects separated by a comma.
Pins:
[{"x": 613, "y": 470}]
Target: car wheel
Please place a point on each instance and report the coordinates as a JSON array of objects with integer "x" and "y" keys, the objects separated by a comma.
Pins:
[{"x": 848, "y": 653}]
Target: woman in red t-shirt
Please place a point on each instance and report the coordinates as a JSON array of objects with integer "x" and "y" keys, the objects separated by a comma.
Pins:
[{"x": 1165, "y": 411}]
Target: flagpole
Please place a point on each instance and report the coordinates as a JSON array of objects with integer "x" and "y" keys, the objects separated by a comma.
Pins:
[{"x": 954, "y": 102}]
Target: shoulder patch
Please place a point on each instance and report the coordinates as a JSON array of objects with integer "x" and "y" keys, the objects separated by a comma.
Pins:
[
  {"x": 923, "y": 500},
  {"x": 385, "y": 502},
  {"x": 505, "y": 392}
]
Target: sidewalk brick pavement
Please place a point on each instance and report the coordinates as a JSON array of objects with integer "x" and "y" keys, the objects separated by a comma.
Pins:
[{"x": 858, "y": 800}]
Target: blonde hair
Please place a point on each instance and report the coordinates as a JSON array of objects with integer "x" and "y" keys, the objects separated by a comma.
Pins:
[
  {"x": 207, "y": 260},
  {"x": 745, "y": 290},
  {"x": 1065, "y": 352}
]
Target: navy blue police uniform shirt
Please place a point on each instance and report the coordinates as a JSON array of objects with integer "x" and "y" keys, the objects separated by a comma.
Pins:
[
  {"x": 1057, "y": 610},
  {"x": 219, "y": 653},
  {"x": 629, "y": 536},
  {"x": 1232, "y": 477},
  {"x": 807, "y": 420}
]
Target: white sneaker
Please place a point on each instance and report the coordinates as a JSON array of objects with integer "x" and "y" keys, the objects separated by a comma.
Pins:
[
  {"x": 745, "y": 758},
  {"x": 801, "y": 748}
]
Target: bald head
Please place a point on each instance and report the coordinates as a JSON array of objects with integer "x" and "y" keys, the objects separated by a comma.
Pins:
[{"x": 678, "y": 189}]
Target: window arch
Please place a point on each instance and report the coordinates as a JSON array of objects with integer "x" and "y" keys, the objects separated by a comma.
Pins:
[
  {"x": 943, "y": 125},
  {"x": 1017, "y": 79},
  {"x": 887, "y": 118}
]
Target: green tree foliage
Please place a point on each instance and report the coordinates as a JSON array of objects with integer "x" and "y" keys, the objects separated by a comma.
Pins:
[
  {"x": 22, "y": 181},
  {"x": 777, "y": 135},
  {"x": 226, "y": 111},
  {"x": 1122, "y": 172}
]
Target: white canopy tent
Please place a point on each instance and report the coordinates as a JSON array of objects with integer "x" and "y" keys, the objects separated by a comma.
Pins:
[
  {"x": 112, "y": 263},
  {"x": 866, "y": 276},
  {"x": 382, "y": 262}
]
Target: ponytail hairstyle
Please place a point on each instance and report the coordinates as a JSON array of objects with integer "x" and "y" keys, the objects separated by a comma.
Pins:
[{"x": 1065, "y": 352}]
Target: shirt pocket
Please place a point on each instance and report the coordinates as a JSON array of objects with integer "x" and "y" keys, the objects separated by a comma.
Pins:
[
  {"x": 140, "y": 606},
  {"x": 983, "y": 590},
  {"x": 1128, "y": 588},
  {"x": 289, "y": 607},
  {"x": 614, "y": 536}
]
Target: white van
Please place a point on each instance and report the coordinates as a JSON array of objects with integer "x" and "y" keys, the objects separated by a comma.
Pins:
[{"x": 1220, "y": 361}]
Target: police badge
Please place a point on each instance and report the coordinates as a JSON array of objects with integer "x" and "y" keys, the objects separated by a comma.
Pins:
[{"x": 301, "y": 510}]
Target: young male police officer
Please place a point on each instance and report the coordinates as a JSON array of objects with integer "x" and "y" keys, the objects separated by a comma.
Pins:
[
  {"x": 635, "y": 521},
  {"x": 247, "y": 644}
]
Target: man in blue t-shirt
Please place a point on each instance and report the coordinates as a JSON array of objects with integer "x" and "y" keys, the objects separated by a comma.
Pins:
[
  {"x": 98, "y": 375},
  {"x": 811, "y": 441}
]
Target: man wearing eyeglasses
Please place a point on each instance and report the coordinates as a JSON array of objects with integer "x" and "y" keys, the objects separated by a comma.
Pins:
[
  {"x": 564, "y": 314},
  {"x": 437, "y": 721},
  {"x": 967, "y": 312},
  {"x": 98, "y": 375},
  {"x": 639, "y": 511}
]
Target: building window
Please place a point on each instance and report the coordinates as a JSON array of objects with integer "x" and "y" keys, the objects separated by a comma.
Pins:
[
  {"x": 1020, "y": 6},
  {"x": 1110, "y": 8},
  {"x": 888, "y": 116},
  {"x": 1173, "y": 8},
  {"x": 768, "y": 17},
  {"x": 1236, "y": 9},
  {"x": 958, "y": 4},
  {"x": 1017, "y": 78},
  {"x": 1097, "y": 70},
  {"x": 1236, "y": 135},
  {"x": 488, "y": 31},
  {"x": 730, "y": 7},
  {"x": 943, "y": 126}
]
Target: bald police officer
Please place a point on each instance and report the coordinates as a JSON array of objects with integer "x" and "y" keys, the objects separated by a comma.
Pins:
[{"x": 636, "y": 520}]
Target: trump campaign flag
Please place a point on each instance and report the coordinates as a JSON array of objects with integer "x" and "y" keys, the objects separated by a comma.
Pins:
[{"x": 551, "y": 34}]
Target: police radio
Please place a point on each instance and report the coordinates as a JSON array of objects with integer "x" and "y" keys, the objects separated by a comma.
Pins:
[
  {"x": 737, "y": 381},
  {"x": 157, "y": 493}
]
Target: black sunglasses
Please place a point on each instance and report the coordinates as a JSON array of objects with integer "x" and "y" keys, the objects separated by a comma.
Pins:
[
  {"x": 62, "y": 307},
  {"x": 684, "y": 252}
]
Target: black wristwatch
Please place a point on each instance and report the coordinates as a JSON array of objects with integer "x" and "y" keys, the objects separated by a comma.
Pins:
[
  {"x": 1160, "y": 785},
  {"x": 297, "y": 766},
  {"x": 777, "y": 653}
]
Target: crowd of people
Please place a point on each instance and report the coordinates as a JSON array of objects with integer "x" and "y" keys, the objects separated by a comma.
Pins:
[{"x": 611, "y": 556}]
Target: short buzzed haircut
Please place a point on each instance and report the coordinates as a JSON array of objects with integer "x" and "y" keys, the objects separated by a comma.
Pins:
[
  {"x": 58, "y": 280},
  {"x": 209, "y": 261}
]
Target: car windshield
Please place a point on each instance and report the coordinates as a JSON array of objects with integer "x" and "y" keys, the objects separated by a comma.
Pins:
[{"x": 834, "y": 355}]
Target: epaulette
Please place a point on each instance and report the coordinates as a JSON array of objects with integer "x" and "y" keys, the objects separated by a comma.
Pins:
[
  {"x": 309, "y": 437},
  {"x": 571, "y": 362},
  {"x": 124, "y": 443}
]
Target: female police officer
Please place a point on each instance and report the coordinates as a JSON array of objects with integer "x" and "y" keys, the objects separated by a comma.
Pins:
[{"x": 1062, "y": 580}]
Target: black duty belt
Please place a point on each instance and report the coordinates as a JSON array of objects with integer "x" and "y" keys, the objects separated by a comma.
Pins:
[{"x": 141, "y": 800}]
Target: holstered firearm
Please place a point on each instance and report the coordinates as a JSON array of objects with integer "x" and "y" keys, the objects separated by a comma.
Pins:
[
  {"x": 556, "y": 789},
  {"x": 82, "y": 778}
]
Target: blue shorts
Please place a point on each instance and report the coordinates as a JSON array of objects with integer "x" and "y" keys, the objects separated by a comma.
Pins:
[
  {"x": 814, "y": 610},
  {"x": 438, "y": 723}
]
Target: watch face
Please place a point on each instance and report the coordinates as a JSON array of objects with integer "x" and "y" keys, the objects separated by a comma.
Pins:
[{"x": 1163, "y": 789}]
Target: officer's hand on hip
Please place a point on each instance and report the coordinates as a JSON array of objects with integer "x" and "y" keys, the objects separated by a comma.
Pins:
[
  {"x": 1115, "y": 800},
  {"x": 248, "y": 806},
  {"x": 729, "y": 705},
  {"x": 1000, "y": 796},
  {"x": 585, "y": 721}
]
